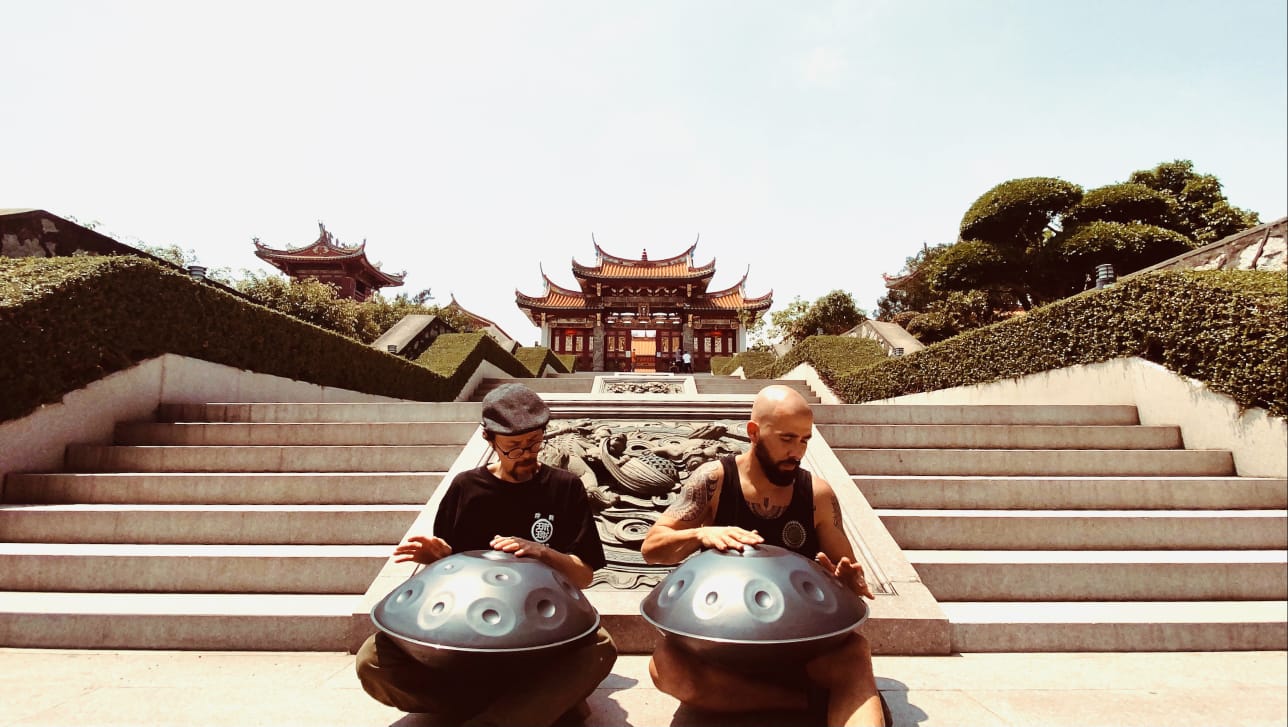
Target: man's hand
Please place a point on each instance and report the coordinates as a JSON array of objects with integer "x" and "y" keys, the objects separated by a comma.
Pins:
[
  {"x": 420, "y": 549},
  {"x": 727, "y": 538},
  {"x": 519, "y": 546},
  {"x": 848, "y": 572}
]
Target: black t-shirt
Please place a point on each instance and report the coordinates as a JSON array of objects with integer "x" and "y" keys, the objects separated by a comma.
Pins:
[
  {"x": 793, "y": 529},
  {"x": 551, "y": 508}
]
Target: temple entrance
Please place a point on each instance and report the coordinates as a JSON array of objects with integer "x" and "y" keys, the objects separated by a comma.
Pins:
[{"x": 644, "y": 351}]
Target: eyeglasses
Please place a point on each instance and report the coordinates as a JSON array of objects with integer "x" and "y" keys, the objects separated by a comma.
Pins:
[{"x": 518, "y": 452}]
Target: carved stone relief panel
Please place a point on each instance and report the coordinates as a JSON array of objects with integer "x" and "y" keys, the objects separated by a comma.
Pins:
[{"x": 632, "y": 471}]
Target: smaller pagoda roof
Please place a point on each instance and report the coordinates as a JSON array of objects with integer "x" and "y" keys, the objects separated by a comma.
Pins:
[
  {"x": 615, "y": 267},
  {"x": 554, "y": 296},
  {"x": 326, "y": 249}
]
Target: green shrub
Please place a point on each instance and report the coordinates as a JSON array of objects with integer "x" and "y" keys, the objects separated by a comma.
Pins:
[
  {"x": 754, "y": 364},
  {"x": 1226, "y": 329},
  {"x": 455, "y": 356},
  {"x": 569, "y": 361},
  {"x": 831, "y": 356},
  {"x": 535, "y": 358},
  {"x": 68, "y": 321}
]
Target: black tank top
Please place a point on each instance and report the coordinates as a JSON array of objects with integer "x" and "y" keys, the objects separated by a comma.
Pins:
[{"x": 794, "y": 529}]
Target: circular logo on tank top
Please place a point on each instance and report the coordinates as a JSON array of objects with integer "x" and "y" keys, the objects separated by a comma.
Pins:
[
  {"x": 542, "y": 528},
  {"x": 793, "y": 534}
]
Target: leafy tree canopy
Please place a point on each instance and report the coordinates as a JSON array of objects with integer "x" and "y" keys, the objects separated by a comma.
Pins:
[
  {"x": 833, "y": 314},
  {"x": 1017, "y": 213},
  {"x": 1202, "y": 212}
]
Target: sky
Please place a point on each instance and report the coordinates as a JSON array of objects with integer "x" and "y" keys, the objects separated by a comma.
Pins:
[{"x": 811, "y": 146}]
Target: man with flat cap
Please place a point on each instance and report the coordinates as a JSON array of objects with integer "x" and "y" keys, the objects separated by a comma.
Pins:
[{"x": 516, "y": 505}]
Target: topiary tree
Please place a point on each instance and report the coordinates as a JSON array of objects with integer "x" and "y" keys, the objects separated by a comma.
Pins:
[
  {"x": 1126, "y": 246},
  {"x": 1002, "y": 235},
  {"x": 1202, "y": 211},
  {"x": 1127, "y": 202}
]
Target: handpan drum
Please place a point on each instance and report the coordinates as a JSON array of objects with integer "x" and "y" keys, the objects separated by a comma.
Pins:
[
  {"x": 480, "y": 603},
  {"x": 754, "y": 609}
]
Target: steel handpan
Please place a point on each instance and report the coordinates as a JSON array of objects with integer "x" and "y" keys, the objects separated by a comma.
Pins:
[
  {"x": 753, "y": 608},
  {"x": 483, "y": 602}
]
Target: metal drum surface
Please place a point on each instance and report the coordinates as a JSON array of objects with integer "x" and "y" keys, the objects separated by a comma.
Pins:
[
  {"x": 753, "y": 609},
  {"x": 480, "y": 603}
]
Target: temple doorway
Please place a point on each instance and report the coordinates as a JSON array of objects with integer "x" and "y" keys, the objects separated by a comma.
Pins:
[{"x": 644, "y": 351}]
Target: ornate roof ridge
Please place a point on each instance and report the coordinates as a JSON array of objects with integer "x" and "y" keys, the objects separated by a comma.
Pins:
[{"x": 602, "y": 256}]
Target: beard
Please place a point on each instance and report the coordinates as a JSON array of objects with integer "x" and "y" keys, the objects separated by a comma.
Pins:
[{"x": 775, "y": 471}]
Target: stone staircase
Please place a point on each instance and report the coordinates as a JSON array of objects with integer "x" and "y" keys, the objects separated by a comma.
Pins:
[
  {"x": 1072, "y": 528},
  {"x": 220, "y": 526},
  {"x": 260, "y": 526}
]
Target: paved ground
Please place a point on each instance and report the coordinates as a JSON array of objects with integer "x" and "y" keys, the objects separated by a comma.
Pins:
[{"x": 227, "y": 689}]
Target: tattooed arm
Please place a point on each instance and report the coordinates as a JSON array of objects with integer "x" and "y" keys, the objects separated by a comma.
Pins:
[
  {"x": 838, "y": 554},
  {"x": 686, "y": 525}
]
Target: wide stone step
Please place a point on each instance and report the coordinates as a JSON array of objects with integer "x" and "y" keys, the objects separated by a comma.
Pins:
[
  {"x": 1073, "y": 493},
  {"x": 98, "y": 458},
  {"x": 1118, "y": 626},
  {"x": 190, "y": 568},
  {"x": 1036, "y": 462},
  {"x": 541, "y": 386},
  {"x": 331, "y": 433},
  {"x": 1103, "y": 575},
  {"x": 208, "y": 524},
  {"x": 1087, "y": 530},
  {"x": 432, "y": 411},
  {"x": 976, "y": 414},
  {"x": 249, "y": 488},
  {"x": 214, "y": 621},
  {"x": 999, "y": 436}
]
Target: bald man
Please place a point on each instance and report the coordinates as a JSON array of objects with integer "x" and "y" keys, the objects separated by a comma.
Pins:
[{"x": 764, "y": 496}]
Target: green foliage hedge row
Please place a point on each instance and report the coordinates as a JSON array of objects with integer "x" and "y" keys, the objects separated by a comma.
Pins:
[
  {"x": 754, "y": 364},
  {"x": 1228, "y": 329},
  {"x": 66, "y": 322},
  {"x": 829, "y": 355},
  {"x": 537, "y": 358},
  {"x": 455, "y": 356}
]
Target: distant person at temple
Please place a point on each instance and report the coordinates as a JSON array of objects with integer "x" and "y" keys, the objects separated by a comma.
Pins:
[
  {"x": 687, "y": 361},
  {"x": 677, "y": 361},
  {"x": 493, "y": 508}
]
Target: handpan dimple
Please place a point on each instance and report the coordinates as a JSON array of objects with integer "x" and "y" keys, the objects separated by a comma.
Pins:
[{"x": 483, "y": 602}]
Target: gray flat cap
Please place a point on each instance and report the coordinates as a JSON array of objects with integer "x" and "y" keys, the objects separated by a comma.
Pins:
[{"x": 514, "y": 409}]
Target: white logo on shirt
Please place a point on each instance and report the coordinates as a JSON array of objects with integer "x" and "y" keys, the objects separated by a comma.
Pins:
[{"x": 542, "y": 527}]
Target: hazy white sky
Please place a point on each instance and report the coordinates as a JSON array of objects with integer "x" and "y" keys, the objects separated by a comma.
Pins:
[{"x": 473, "y": 143}]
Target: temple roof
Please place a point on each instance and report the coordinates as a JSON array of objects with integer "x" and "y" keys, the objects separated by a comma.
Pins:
[
  {"x": 326, "y": 249},
  {"x": 609, "y": 266}
]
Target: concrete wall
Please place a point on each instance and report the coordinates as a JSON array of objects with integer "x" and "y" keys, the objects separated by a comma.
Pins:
[
  {"x": 36, "y": 442},
  {"x": 1207, "y": 420}
]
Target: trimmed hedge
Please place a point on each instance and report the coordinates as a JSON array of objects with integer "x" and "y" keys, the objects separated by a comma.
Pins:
[
  {"x": 455, "y": 356},
  {"x": 754, "y": 363},
  {"x": 829, "y": 355},
  {"x": 569, "y": 361},
  {"x": 1228, "y": 329},
  {"x": 68, "y": 321},
  {"x": 534, "y": 358}
]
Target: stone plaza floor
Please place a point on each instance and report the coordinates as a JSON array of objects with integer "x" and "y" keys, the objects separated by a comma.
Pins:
[{"x": 42, "y": 688}]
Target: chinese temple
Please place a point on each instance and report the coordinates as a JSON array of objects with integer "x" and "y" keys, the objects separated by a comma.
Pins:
[
  {"x": 637, "y": 314},
  {"x": 347, "y": 268}
]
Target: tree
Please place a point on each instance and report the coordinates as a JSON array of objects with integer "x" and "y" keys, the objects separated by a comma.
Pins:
[
  {"x": 307, "y": 299},
  {"x": 1001, "y": 234},
  {"x": 914, "y": 292},
  {"x": 832, "y": 314},
  {"x": 1203, "y": 214},
  {"x": 953, "y": 314},
  {"x": 1038, "y": 238}
]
